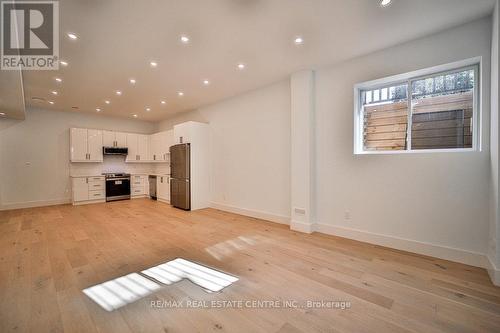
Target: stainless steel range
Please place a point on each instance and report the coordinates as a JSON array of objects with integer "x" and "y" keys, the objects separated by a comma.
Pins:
[{"x": 117, "y": 186}]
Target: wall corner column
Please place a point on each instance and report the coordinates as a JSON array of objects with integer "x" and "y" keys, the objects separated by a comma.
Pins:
[{"x": 302, "y": 151}]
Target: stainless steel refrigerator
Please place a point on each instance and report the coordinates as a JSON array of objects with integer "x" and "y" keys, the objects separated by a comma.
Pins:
[{"x": 180, "y": 185}]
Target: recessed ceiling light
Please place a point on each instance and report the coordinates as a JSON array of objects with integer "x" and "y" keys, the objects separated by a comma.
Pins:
[
  {"x": 107, "y": 102},
  {"x": 206, "y": 82},
  {"x": 54, "y": 92},
  {"x": 148, "y": 109},
  {"x": 58, "y": 79},
  {"x": 134, "y": 115},
  {"x": 298, "y": 40},
  {"x": 98, "y": 109},
  {"x": 185, "y": 39},
  {"x": 2, "y": 113},
  {"x": 241, "y": 66},
  {"x": 64, "y": 63},
  {"x": 72, "y": 36},
  {"x": 385, "y": 3},
  {"x": 118, "y": 92},
  {"x": 51, "y": 102},
  {"x": 132, "y": 81},
  {"x": 180, "y": 93},
  {"x": 163, "y": 102},
  {"x": 153, "y": 64}
]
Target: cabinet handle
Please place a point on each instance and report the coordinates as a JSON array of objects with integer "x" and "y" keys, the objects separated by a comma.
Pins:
[
  {"x": 181, "y": 139},
  {"x": 87, "y": 180},
  {"x": 161, "y": 179},
  {"x": 154, "y": 157}
]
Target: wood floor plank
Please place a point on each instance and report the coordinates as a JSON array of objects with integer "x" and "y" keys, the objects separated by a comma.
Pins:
[{"x": 48, "y": 255}]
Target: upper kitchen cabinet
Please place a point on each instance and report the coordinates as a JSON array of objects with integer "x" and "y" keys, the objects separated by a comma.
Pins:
[
  {"x": 85, "y": 145},
  {"x": 183, "y": 132},
  {"x": 159, "y": 146},
  {"x": 114, "y": 139},
  {"x": 138, "y": 147}
]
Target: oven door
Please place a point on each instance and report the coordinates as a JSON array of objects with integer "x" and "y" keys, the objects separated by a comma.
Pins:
[{"x": 117, "y": 189}]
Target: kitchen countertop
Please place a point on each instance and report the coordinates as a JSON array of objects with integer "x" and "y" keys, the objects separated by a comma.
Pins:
[
  {"x": 84, "y": 176},
  {"x": 132, "y": 174}
]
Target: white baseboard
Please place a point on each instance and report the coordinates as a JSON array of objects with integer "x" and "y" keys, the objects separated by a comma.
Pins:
[
  {"x": 433, "y": 250},
  {"x": 252, "y": 213},
  {"x": 31, "y": 204},
  {"x": 494, "y": 272},
  {"x": 302, "y": 227}
]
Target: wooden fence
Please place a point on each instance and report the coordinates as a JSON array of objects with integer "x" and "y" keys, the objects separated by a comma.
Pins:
[{"x": 437, "y": 122}]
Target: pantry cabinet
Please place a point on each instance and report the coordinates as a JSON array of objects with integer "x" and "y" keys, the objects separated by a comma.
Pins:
[{"x": 85, "y": 145}]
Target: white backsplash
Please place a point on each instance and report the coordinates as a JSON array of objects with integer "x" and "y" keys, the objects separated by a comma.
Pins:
[{"x": 115, "y": 164}]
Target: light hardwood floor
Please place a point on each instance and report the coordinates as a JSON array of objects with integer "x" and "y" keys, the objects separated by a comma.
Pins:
[{"x": 48, "y": 255}]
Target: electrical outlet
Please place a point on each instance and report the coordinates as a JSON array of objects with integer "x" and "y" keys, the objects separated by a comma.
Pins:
[
  {"x": 347, "y": 215},
  {"x": 299, "y": 211}
]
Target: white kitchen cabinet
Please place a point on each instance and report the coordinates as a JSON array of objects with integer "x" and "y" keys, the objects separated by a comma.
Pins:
[
  {"x": 132, "y": 147},
  {"x": 85, "y": 145},
  {"x": 182, "y": 132},
  {"x": 88, "y": 190},
  {"x": 114, "y": 139},
  {"x": 95, "y": 145},
  {"x": 163, "y": 188},
  {"x": 139, "y": 185},
  {"x": 154, "y": 147},
  {"x": 159, "y": 146},
  {"x": 121, "y": 139},
  {"x": 78, "y": 143},
  {"x": 138, "y": 147},
  {"x": 143, "y": 147}
]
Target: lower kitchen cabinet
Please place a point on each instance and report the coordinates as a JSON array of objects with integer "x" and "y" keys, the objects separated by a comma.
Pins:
[
  {"x": 88, "y": 190},
  {"x": 139, "y": 186},
  {"x": 163, "y": 188}
]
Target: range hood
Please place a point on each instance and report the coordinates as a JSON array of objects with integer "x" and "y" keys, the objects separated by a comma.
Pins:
[{"x": 115, "y": 151}]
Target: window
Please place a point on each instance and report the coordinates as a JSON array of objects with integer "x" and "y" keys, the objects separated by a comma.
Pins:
[{"x": 436, "y": 110}]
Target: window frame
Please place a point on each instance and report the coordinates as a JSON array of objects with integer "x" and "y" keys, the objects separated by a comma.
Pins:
[{"x": 409, "y": 78}]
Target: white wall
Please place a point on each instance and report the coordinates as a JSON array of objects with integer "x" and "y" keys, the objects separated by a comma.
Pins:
[
  {"x": 250, "y": 151},
  {"x": 436, "y": 198},
  {"x": 494, "y": 231},
  {"x": 42, "y": 140}
]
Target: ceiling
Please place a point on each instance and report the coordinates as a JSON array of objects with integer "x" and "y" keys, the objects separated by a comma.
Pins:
[{"x": 117, "y": 39}]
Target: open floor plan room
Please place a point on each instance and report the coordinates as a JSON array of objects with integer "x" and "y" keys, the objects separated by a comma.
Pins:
[
  {"x": 249, "y": 166},
  {"x": 50, "y": 254}
]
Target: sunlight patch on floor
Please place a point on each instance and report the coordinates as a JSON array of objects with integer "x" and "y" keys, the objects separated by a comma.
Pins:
[{"x": 114, "y": 294}]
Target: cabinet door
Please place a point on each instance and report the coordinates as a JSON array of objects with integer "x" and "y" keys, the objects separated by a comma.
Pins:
[
  {"x": 181, "y": 133},
  {"x": 80, "y": 189},
  {"x": 121, "y": 139},
  {"x": 169, "y": 141},
  {"x": 154, "y": 154},
  {"x": 133, "y": 153},
  {"x": 108, "y": 138},
  {"x": 143, "y": 147},
  {"x": 163, "y": 188},
  {"x": 159, "y": 189},
  {"x": 78, "y": 149},
  {"x": 94, "y": 145}
]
